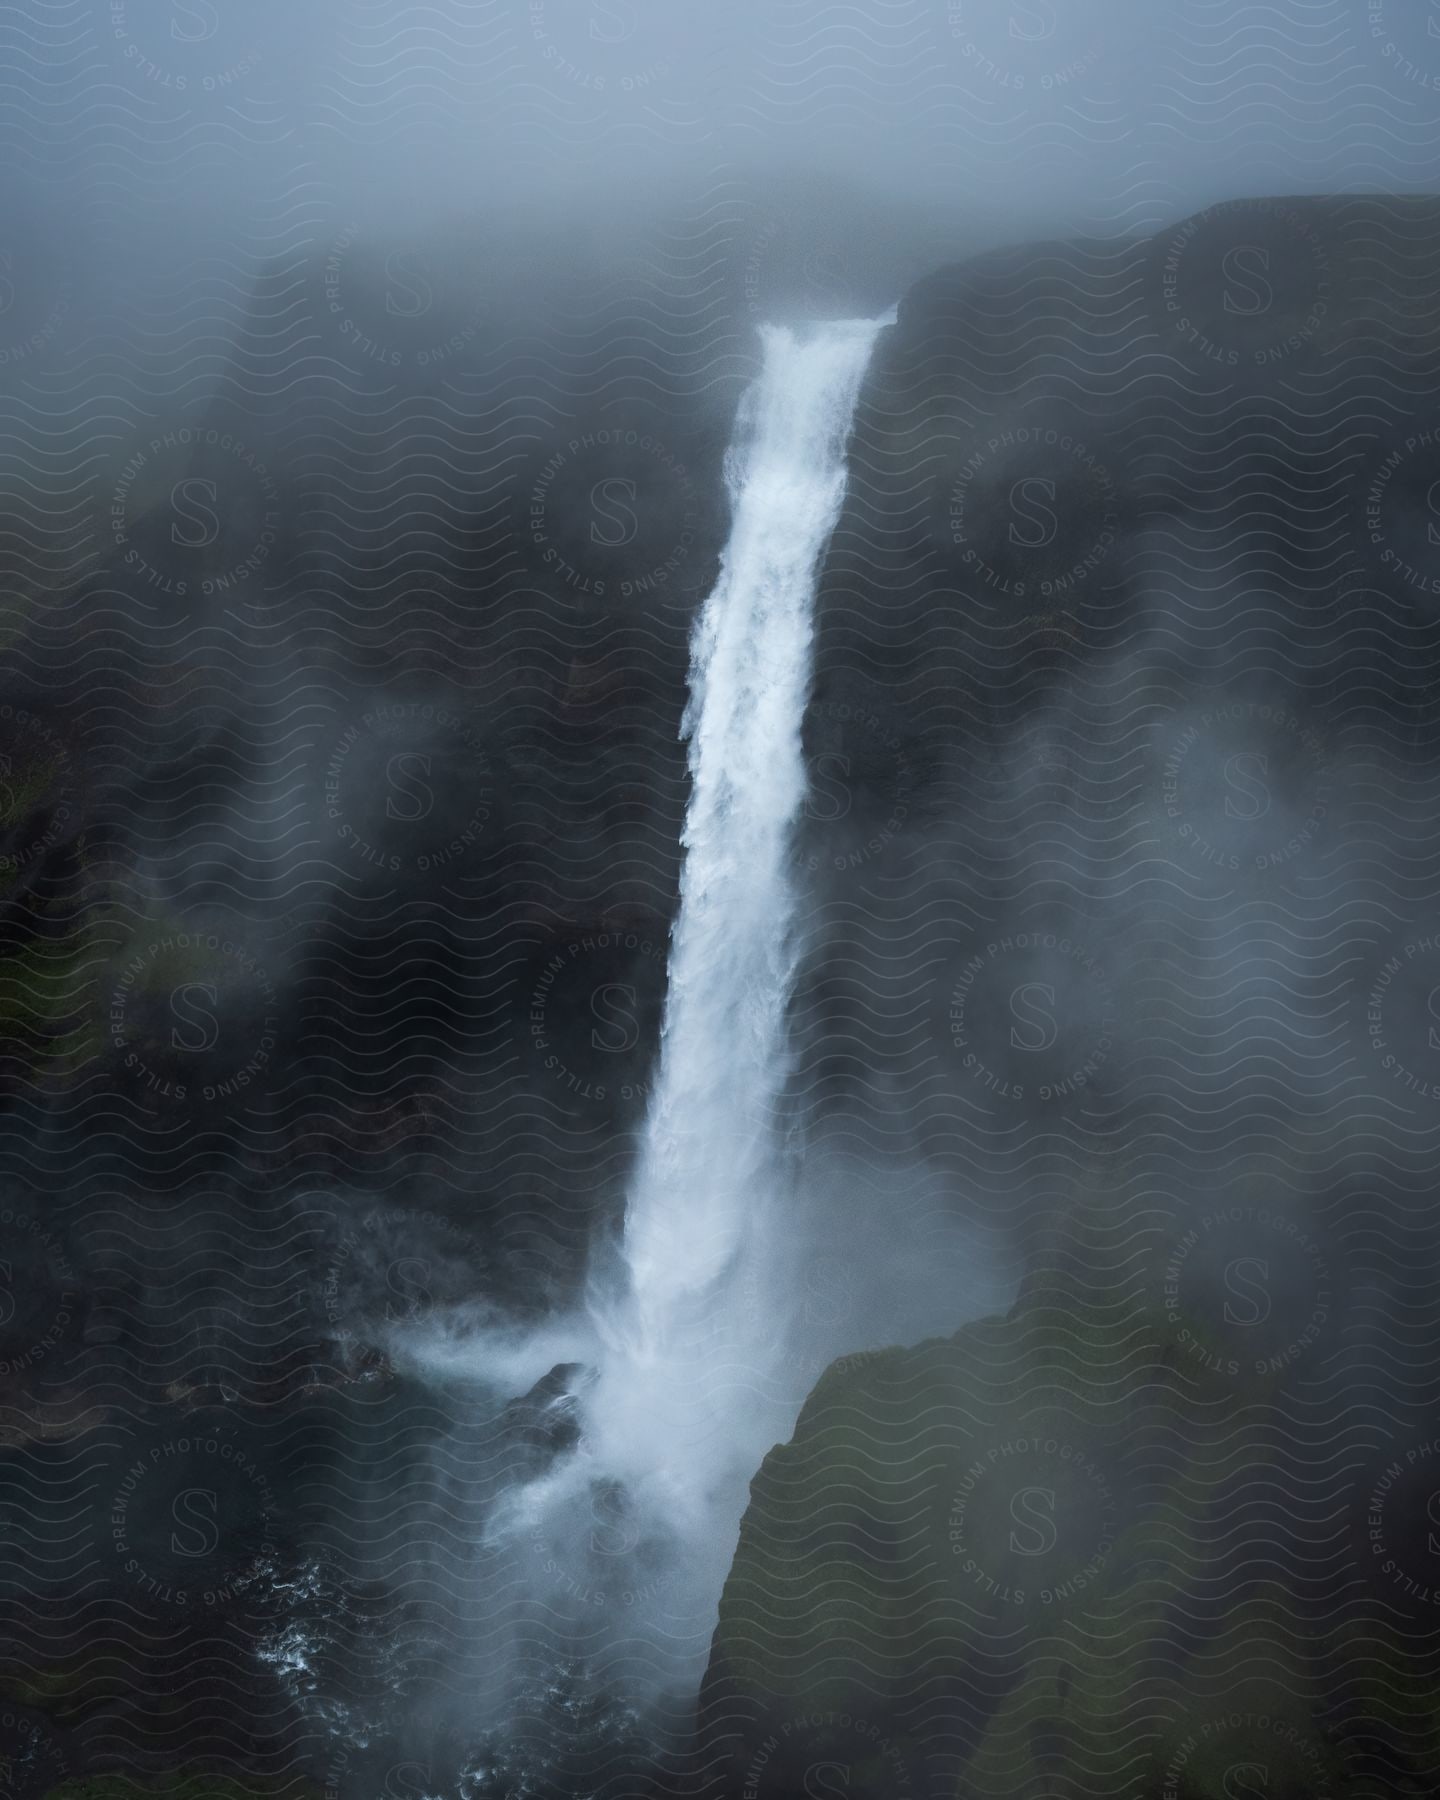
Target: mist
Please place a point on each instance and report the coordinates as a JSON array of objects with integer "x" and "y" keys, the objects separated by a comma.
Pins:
[
  {"x": 145, "y": 140},
  {"x": 492, "y": 1160}
]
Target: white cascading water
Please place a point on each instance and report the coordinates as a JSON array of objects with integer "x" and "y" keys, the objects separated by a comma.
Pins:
[
  {"x": 705, "y": 1172},
  {"x": 722, "y": 1059},
  {"x": 678, "y": 1402}
]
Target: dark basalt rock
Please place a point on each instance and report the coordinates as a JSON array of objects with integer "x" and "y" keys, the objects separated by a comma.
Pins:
[
  {"x": 1109, "y": 1542},
  {"x": 1057, "y": 1549},
  {"x": 547, "y": 1417}
]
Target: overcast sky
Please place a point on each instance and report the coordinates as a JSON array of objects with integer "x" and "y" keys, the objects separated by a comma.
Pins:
[{"x": 1012, "y": 115}]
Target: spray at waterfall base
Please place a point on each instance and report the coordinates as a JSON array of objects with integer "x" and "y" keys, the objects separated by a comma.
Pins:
[{"x": 643, "y": 1434}]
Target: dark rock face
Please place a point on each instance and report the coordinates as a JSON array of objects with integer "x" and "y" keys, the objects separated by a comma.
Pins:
[
  {"x": 1126, "y": 534},
  {"x": 1118, "y": 862},
  {"x": 1054, "y": 1549},
  {"x": 546, "y": 1418},
  {"x": 340, "y": 802},
  {"x": 1135, "y": 612}
]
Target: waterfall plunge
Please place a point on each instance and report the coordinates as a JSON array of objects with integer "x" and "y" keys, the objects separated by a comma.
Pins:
[
  {"x": 666, "y": 1393},
  {"x": 698, "y": 1201}
]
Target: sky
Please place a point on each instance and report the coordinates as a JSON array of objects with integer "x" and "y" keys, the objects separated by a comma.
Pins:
[{"x": 152, "y": 126}]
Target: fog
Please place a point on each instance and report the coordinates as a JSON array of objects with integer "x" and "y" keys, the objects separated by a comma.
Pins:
[
  {"x": 371, "y": 376},
  {"x": 149, "y": 133}
]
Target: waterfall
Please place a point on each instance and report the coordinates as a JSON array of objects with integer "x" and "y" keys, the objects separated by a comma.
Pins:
[
  {"x": 722, "y": 1061},
  {"x": 664, "y": 1418},
  {"x": 705, "y": 1170}
]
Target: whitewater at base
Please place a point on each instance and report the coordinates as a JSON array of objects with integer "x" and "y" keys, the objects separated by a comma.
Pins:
[{"x": 661, "y": 1400}]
